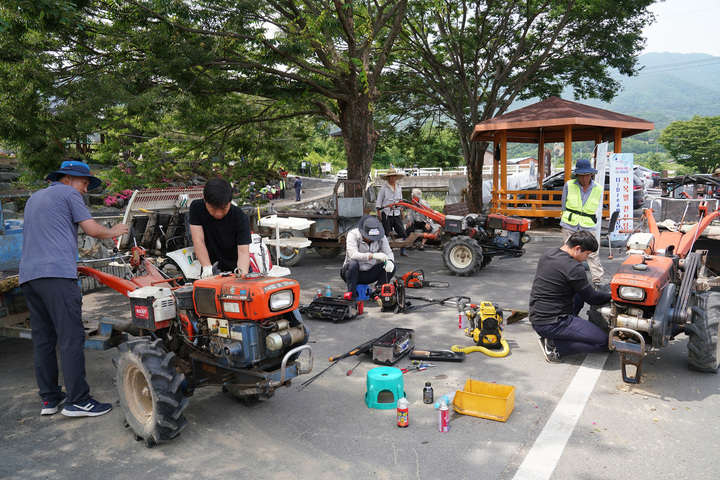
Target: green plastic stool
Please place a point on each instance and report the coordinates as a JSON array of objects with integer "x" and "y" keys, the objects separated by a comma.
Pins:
[{"x": 385, "y": 386}]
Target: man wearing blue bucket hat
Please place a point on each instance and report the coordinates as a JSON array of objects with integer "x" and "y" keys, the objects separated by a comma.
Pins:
[
  {"x": 48, "y": 277},
  {"x": 580, "y": 199}
]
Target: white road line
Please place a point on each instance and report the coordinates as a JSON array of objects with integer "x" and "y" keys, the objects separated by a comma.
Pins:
[{"x": 545, "y": 453}]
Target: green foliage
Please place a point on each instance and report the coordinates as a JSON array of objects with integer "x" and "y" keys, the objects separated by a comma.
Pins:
[{"x": 694, "y": 143}]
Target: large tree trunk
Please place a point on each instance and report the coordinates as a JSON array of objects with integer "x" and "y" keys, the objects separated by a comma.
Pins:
[
  {"x": 359, "y": 135},
  {"x": 475, "y": 163}
]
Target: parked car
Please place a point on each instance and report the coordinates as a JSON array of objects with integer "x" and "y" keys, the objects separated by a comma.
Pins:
[
  {"x": 645, "y": 176},
  {"x": 556, "y": 181},
  {"x": 342, "y": 174},
  {"x": 655, "y": 176}
]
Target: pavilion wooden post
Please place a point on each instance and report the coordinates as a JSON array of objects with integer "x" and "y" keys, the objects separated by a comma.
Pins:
[
  {"x": 568, "y": 151},
  {"x": 496, "y": 177},
  {"x": 617, "y": 142},
  {"x": 541, "y": 158}
]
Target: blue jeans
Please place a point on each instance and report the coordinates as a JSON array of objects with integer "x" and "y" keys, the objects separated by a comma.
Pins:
[
  {"x": 55, "y": 306},
  {"x": 573, "y": 334}
]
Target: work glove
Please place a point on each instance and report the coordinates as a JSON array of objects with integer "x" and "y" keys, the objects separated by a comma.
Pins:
[
  {"x": 389, "y": 266},
  {"x": 207, "y": 272},
  {"x": 380, "y": 256}
]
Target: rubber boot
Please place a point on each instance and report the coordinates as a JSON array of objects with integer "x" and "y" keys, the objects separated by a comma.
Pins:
[{"x": 403, "y": 253}]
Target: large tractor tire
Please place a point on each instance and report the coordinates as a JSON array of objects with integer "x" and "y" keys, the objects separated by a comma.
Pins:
[
  {"x": 289, "y": 256},
  {"x": 150, "y": 390},
  {"x": 462, "y": 255},
  {"x": 703, "y": 346}
]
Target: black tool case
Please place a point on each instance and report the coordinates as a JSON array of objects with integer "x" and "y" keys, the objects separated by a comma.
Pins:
[{"x": 330, "y": 308}]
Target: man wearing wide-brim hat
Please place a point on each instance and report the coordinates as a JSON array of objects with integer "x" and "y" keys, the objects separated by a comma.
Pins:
[
  {"x": 368, "y": 257},
  {"x": 580, "y": 200},
  {"x": 48, "y": 277},
  {"x": 389, "y": 194}
]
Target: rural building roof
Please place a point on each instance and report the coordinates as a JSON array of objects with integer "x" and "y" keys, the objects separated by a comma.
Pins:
[{"x": 551, "y": 116}]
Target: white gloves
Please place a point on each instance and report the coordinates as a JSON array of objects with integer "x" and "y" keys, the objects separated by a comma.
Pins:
[
  {"x": 207, "y": 272},
  {"x": 380, "y": 256},
  {"x": 389, "y": 266}
]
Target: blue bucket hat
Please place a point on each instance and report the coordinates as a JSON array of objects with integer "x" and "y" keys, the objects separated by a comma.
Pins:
[
  {"x": 583, "y": 167},
  {"x": 371, "y": 228},
  {"x": 76, "y": 169}
]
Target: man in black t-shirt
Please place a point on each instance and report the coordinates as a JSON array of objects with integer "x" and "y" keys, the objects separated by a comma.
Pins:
[
  {"x": 220, "y": 231},
  {"x": 559, "y": 291}
]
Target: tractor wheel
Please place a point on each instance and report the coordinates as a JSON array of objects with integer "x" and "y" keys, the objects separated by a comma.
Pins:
[
  {"x": 172, "y": 270},
  {"x": 150, "y": 390},
  {"x": 462, "y": 255},
  {"x": 289, "y": 256},
  {"x": 486, "y": 261},
  {"x": 703, "y": 345},
  {"x": 327, "y": 252}
]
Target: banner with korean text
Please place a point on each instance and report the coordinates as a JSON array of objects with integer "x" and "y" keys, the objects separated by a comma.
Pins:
[{"x": 621, "y": 192}]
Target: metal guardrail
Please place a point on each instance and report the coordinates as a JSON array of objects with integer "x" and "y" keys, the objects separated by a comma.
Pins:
[{"x": 430, "y": 171}]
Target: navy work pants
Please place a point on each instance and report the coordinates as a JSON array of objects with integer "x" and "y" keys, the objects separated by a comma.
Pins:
[
  {"x": 55, "y": 306},
  {"x": 353, "y": 276},
  {"x": 573, "y": 334}
]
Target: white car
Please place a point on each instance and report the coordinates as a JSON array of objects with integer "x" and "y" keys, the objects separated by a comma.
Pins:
[
  {"x": 342, "y": 174},
  {"x": 645, "y": 175}
]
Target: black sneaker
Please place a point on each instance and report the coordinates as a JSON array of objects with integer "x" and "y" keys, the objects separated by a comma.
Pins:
[
  {"x": 547, "y": 346},
  {"x": 51, "y": 407},
  {"x": 90, "y": 408}
]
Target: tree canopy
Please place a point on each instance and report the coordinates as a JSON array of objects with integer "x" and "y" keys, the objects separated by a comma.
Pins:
[
  {"x": 694, "y": 143},
  {"x": 217, "y": 79},
  {"x": 471, "y": 59}
]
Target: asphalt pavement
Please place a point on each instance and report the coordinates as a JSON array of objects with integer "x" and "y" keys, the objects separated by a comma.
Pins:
[{"x": 575, "y": 420}]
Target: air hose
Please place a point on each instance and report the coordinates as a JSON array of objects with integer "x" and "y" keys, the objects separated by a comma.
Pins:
[{"x": 492, "y": 353}]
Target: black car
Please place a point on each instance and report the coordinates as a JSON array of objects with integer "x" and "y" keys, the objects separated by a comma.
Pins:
[{"x": 556, "y": 181}]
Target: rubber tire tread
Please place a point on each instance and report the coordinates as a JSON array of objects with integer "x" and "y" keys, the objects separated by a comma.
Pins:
[
  {"x": 165, "y": 384},
  {"x": 293, "y": 260},
  {"x": 328, "y": 252},
  {"x": 703, "y": 349},
  {"x": 472, "y": 246}
]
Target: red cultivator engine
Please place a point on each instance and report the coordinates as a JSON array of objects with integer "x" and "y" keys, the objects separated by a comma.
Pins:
[
  {"x": 242, "y": 333},
  {"x": 470, "y": 242},
  {"x": 663, "y": 289}
]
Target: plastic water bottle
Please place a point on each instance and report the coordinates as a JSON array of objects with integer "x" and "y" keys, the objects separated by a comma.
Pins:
[
  {"x": 443, "y": 417},
  {"x": 328, "y": 292},
  {"x": 403, "y": 419},
  {"x": 447, "y": 398},
  {"x": 427, "y": 393}
]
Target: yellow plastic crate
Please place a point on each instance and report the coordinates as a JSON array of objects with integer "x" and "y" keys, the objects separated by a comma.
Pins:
[{"x": 486, "y": 400}]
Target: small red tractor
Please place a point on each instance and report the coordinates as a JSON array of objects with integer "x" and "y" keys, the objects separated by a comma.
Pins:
[
  {"x": 243, "y": 333},
  {"x": 662, "y": 289},
  {"x": 469, "y": 242}
]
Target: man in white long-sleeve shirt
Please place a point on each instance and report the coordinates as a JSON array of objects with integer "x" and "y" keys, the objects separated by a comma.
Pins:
[{"x": 368, "y": 257}]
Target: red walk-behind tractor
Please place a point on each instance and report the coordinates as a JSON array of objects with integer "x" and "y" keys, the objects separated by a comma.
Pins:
[
  {"x": 661, "y": 290},
  {"x": 243, "y": 333},
  {"x": 469, "y": 242}
]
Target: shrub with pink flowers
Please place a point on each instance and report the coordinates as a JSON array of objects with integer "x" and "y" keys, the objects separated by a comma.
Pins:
[{"x": 114, "y": 198}]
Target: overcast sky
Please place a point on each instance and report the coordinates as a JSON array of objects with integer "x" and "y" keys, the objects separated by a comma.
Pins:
[{"x": 685, "y": 26}]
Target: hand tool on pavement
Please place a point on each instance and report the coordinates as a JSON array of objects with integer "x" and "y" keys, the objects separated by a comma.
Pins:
[
  {"x": 437, "y": 355},
  {"x": 353, "y": 368},
  {"x": 308, "y": 382}
]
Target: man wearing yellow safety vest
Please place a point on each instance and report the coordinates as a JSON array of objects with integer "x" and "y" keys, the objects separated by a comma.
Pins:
[{"x": 580, "y": 199}]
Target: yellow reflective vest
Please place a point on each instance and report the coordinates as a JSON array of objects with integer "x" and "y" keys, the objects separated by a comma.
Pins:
[{"x": 575, "y": 212}]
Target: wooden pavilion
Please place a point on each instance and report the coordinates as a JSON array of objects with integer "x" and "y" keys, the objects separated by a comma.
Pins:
[{"x": 549, "y": 121}]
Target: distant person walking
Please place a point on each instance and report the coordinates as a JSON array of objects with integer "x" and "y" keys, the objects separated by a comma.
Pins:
[{"x": 297, "y": 185}]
